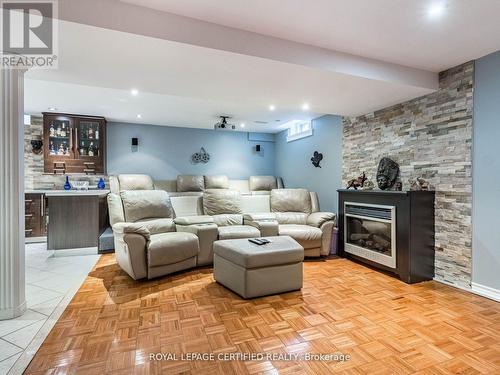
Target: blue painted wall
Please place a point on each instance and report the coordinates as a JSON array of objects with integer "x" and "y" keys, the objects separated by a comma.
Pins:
[
  {"x": 294, "y": 165},
  {"x": 486, "y": 173},
  {"x": 164, "y": 152}
]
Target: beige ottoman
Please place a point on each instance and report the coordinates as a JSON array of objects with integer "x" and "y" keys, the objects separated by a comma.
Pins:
[{"x": 252, "y": 271}]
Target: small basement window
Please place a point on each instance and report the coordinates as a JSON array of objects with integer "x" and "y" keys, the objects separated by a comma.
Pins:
[{"x": 299, "y": 129}]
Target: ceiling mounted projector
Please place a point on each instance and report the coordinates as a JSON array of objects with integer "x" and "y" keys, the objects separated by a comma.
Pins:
[{"x": 223, "y": 124}]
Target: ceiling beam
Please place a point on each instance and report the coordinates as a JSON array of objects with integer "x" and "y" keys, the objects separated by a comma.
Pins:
[{"x": 120, "y": 16}]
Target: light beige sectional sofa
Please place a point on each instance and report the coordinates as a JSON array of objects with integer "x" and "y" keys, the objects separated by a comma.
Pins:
[{"x": 158, "y": 232}]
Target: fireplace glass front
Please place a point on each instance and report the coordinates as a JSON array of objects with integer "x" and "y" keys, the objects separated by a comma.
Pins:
[{"x": 369, "y": 232}]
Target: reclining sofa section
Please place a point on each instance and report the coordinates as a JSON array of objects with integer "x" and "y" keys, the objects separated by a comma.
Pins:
[{"x": 157, "y": 234}]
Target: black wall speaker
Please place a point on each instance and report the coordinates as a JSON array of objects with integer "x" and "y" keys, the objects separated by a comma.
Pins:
[
  {"x": 257, "y": 148},
  {"x": 135, "y": 141}
]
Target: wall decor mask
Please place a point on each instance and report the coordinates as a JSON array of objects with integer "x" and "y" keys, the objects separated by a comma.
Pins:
[
  {"x": 316, "y": 159},
  {"x": 200, "y": 157},
  {"x": 387, "y": 173}
]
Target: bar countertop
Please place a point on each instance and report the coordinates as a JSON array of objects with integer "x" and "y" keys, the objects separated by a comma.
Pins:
[{"x": 69, "y": 193}]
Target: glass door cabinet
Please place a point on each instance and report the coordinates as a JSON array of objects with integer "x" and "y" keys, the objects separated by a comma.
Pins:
[{"x": 74, "y": 144}]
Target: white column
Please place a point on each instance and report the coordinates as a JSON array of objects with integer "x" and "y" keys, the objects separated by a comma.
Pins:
[{"x": 12, "y": 284}]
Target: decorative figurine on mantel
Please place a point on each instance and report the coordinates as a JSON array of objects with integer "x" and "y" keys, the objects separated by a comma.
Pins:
[
  {"x": 387, "y": 173},
  {"x": 368, "y": 185},
  {"x": 357, "y": 182},
  {"x": 419, "y": 184},
  {"x": 398, "y": 185}
]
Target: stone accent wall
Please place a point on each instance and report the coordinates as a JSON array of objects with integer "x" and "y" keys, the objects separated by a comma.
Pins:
[
  {"x": 429, "y": 137},
  {"x": 34, "y": 177}
]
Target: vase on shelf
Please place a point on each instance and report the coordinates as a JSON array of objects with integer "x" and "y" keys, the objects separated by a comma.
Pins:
[
  {"x": 101, "y": 185},
  {"x": 67, "y": 185}
]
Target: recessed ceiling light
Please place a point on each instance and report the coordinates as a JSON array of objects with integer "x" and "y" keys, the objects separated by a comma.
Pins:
[
  {"x": 436, "y": 9},
  {"x": 272, "y": 107},
  {"x": 139, "y": 116},
  {"x": 242, "y": 124},
  {"x": 53, "y": 109},
  {"x": 305, "y": 107},
  {"x": 134, "y": 92}
]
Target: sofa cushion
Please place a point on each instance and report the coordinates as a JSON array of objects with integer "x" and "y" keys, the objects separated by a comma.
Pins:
[
  {"x": 156, "y": 226},
  {"x": 216, "y": 182},
  {"x": 309, "y": 237},
  {"x": 290, "y": 200},
  {"x": 228, "y": 219},
  {"x": 187, "y": 205},
  {"x": 135, "y": 182},
  {"x": 262, "y": 183},
  {"x": 169, "y": 248},
  {"x": 291, "y": 217},
  {"x": 238, "y": 231},
  {"x": 217, "y": 202},
  {"x": 190, "y": 183},
  {"x": 255, "y": 203},
  {"x": 146, "y": 204}
]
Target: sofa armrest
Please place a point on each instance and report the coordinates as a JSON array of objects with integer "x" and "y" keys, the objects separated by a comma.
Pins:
[
  {"x": 317, "y": 219},
  {"x": 326, "y": 237},
  {"x": 194, "y": 220},
  {"x": 267, "y": 226},
  {"x": 131, "y": 228},
  {"x": 131, "y": 241},
  {"x": 260, "y": 216},
  {"x": 207, "y": 235}
]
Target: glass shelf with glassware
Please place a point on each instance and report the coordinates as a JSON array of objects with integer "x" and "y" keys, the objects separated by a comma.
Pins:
[{"x": 74, "y": 139}]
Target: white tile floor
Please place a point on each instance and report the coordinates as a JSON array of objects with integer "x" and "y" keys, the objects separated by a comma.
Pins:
[{"x": 51, "y": 283}]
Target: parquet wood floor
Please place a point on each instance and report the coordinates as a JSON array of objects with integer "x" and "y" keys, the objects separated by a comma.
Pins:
[{"x": 114, "y": 323}]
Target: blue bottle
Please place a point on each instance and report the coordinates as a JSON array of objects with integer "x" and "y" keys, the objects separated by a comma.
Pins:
[
  {"x": 67, "y": 185},
  {"x": 101, "y": 185}
]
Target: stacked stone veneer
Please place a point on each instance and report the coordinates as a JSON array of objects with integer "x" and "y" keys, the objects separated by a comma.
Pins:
[
  {"x": 34, "y": 177},
  {"x": 429, "y": 137}
]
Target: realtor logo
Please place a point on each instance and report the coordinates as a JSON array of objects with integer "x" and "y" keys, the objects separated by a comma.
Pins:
[{"x": 28, "y": 33}]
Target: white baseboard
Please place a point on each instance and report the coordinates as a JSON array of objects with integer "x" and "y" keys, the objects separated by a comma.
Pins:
[
  {"x": 486, "y": 291},
  {"x": 480, "y": 290},
  {"x": 74, "y": 252},
  {"x": 461, "y": 287}
]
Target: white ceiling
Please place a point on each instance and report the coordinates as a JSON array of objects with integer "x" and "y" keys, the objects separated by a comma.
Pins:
[
  {"x": 398, "y": 31},
  {"x": 195, "y": 60},
  {"x": 186, "y": 85}
]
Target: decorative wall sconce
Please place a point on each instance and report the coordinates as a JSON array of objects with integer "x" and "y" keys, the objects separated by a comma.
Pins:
[
  {"x": 36, "y": 146},
  {"x": 200, "y": 157},
  {"x": 134, "y": 144},
  {"x": 316, "y": 159}
]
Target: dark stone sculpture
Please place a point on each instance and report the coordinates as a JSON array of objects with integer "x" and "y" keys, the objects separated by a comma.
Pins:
[
  {"x": 387, "y": 173},
  {"x": 357, "y": 182},
  {"x": 316, "y": 159}
]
